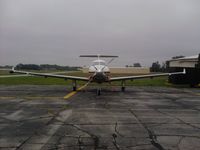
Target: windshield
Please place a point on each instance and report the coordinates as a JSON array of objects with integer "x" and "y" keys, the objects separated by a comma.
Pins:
[{"x": 101, "y": 63}]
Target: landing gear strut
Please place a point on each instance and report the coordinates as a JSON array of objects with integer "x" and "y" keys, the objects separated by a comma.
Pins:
[
  {"x": 74, "y": 85},
  {"x": 98, "y": 91},
  {"x": 123, "y": 86}
]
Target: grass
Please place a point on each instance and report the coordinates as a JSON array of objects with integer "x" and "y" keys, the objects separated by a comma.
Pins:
[
  {"x": 4, "y": 72},
  {"x": 32, "y": 80}
]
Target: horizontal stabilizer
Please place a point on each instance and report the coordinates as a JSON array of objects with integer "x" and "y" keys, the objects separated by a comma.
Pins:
[{"x": 105, "y": 56}]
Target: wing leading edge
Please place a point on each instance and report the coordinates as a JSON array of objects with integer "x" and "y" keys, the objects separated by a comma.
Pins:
[
  {"x": 50, "y": 75},
  {"x": 145, "y": 76}
]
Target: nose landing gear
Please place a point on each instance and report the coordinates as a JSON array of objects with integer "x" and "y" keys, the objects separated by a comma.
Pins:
[{"x": 98, "y": 91}]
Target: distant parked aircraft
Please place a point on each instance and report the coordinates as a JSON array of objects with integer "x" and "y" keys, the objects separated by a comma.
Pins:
[{"x": 100, "y": 73}]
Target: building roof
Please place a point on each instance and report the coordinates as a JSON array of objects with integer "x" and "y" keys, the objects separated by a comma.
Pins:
[
  {"x": 184, "y": 62},
  {"x": 194, "y": 57}
]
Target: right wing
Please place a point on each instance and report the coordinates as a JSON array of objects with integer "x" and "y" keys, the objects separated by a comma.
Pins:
[
  {"x": 50, "y": 75},
  {"x": 145, "y": 76}
]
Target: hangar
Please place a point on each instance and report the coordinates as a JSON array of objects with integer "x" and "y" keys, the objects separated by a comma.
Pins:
[{"x": 192, "y": 66}]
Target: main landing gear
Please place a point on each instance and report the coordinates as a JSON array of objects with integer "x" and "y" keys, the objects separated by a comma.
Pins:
[
  {"x": 123, "y": 86},
  {"x": 74, "y": 85}
]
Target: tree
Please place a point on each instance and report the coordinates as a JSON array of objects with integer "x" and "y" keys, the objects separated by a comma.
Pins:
[
  {"x": 28, "y": 67},
  {"x": 164, "y": 67},
  {"x": 137, "y": 65},
  {"x": 155, "y": 67}
]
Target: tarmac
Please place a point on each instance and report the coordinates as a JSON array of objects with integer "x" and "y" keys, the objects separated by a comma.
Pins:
[{"x": 142, "y": 118}]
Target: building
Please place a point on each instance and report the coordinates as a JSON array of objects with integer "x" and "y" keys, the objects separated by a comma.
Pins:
[
  {"x": 185, "y": 62},
  {"x": 192, "y": 66}
]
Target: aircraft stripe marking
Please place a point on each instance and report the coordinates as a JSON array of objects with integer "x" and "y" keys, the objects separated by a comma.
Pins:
[{"x": 74, "y": 92}]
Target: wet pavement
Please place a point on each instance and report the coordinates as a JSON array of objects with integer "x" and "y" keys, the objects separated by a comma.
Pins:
[{"x": 151, "y": 118}]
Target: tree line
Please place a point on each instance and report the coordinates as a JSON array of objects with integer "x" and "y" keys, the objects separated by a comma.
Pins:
[
  {"x": 45, "y": 67},
  {"x": 163, "y": 67},
  {"x": 155, "y": 67}
]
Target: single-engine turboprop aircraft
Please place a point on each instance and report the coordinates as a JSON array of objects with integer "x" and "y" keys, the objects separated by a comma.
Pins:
[{"x": 99, "y": 73}]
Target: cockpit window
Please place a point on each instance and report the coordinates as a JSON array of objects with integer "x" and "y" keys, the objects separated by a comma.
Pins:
[{"x": 101, "y": 63}]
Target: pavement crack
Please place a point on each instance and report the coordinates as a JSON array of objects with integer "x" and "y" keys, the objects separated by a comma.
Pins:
[
  {"x": 189, "y": 124},
  {"x": 189, "y": 136},
  {"x": 116, "y": 130},
  {"x": 185, "y": 106},
  {"x": 179, "y": 142},
  {"x": 80, "y": 143},
  {"x": 21, "y": 144},
  {"x": 36, "y": 118},
  {"x": 94, "y": 137},
  {"x": 55, "y": 115},
  {"x": 115, "y": 141},
  {"x": 138, "y": 145},
  {"x": 151, "y": 134}
]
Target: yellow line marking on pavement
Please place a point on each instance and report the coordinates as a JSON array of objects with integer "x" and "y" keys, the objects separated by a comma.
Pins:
[{"x": 74, "y": 92}]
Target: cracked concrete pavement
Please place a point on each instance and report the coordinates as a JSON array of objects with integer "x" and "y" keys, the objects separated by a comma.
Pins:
[{"x": 152, "y": 118}]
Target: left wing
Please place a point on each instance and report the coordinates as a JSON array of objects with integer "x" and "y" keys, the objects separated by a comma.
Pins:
[
  {"x": 49, "y": 75},
  {"x": 145, "y": 76}
]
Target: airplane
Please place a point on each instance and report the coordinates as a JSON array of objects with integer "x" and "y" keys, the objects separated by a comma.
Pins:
[{"x": 99, "y": 73}]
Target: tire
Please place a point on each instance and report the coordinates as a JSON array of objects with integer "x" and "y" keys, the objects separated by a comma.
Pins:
[
  {"x": 123, "y": 89},
  {"x": 74, "y": 88},
  {"x": 98, "y": 92}
]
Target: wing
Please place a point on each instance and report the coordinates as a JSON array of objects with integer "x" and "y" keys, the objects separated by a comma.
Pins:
[
  {"x": 50, "y": 75},
  {"x": 145, "y": 76}
]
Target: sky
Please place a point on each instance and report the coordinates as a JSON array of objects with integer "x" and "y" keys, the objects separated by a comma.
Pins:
[{"x": 58, "y": 31}]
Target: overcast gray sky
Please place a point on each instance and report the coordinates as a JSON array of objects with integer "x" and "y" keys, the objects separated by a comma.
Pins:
[{"x": 58, "y": 31}]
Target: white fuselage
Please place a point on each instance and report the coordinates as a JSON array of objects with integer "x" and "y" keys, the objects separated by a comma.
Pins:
[{"x": 100, "y": 71}]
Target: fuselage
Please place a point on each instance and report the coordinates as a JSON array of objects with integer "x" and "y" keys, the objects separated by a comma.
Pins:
[{"x": 99, "y": 71}]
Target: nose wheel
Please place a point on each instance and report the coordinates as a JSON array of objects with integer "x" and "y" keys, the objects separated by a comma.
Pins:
[{"x": 98, "y": 91}]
